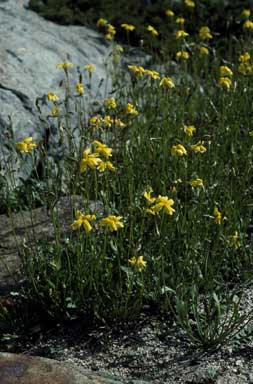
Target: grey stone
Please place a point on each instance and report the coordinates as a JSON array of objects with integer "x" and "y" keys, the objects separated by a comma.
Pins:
[
  {"x": 37, "y": 370},
  {"x": 251, "y": 378},
  {"x": 30, "y": 49}
]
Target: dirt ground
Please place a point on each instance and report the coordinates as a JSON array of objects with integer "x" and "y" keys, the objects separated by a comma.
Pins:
[{"x": 147, "y": 350}]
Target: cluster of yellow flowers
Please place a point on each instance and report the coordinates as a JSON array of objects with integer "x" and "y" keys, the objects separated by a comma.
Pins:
[
  {"x": 94, "y": 161},
  {"x": 248, "y": 24},
  {"x": 225, "y": 74},
  {"x": 110, "y": 30},
  {"x": 179, "y": 149},
  {"x": 139, "y": 71},
  {"x": 181, "y": 33},
  {"x": 97, "y": 122},
  {"x": 111, "y": 222},
  {"x": 51, "y": 96}
]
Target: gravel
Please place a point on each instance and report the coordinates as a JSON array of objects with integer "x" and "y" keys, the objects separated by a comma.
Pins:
[{"x": 149, "y": 349}]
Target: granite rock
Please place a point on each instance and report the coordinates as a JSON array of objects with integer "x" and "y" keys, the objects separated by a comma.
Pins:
[
  {"x": 30, "y": 49},
  {"x": 25, "y": 369}
]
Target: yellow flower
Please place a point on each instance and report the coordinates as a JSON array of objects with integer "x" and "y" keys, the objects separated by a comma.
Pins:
[
  {"x": 65, "y": 65},
  {"x": 52, "y": 97},
  {"x": 197, "y": 183},
  {"x": 225, "y": 82},
  {"x": 83, "y": 220},
  {"x": 147, "y": 195},
  {"x": 152, "y": 30},
  {"x": 225, "y": 71},
  {"x": 153, "y": 74},
  {"x": 108, "y": 121},
  {"x": 130, "y": 110},
  {"x": 119, "y": 123},
  {"x": 116, "y": 52},
  {"x": 246, "y": 13},
  {"x": 180, "y": 20},
  {"x": 203, "y": 51},
  {"x": 90, "y": 160},
  {"x": 137, "y": 70},
  {"x": 167, "y": 82},
  {"x": 245, "y": 57},
  {"x": 149, "y": 211},
  {"x": 181, "y": 33},
  {"x": 112, "y": 223},
  {"x": 248, "y": 24},
  {"x": 55, "y": 111},
  {"x": 111, "y": 31},
  {"x": 95, "y": 122},
  {"x": 182, "y": 55},
  {"x": 101, "y": 22},
  {"x": 245, "y": 68},
  {"x": 90, "y": 67},
  {"x": 199, "y": 147},
  {"x": 189, "y": 3},
  {"x": 163, "y": 203},
  {"x": 234, "y": 240},
  {"x": 110, "y": 103},
  {"x": 178, "y": 150},
  {"x": 217, "y": 216},
  {"x": 174, "y": 189},
  {"x": 128, "y": 27},
  {"x": 102, "y": 149},
  {"x": 106, "y": 165},
  {"x": 118, "y": 49},
  {"x": 138, "y": 262},
  {"x": 169, "y": 13},
  {"x": 189, "y": 129},
  {"x": 205, "y": 33},
  {"x": 79, "y": 88},
  {"x": 26, "y": 145}
]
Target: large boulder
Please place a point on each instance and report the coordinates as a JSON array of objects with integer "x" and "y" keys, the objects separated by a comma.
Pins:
[
  {"x": 37, "y": 370},
  {"x": 30, "y": 49}
]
